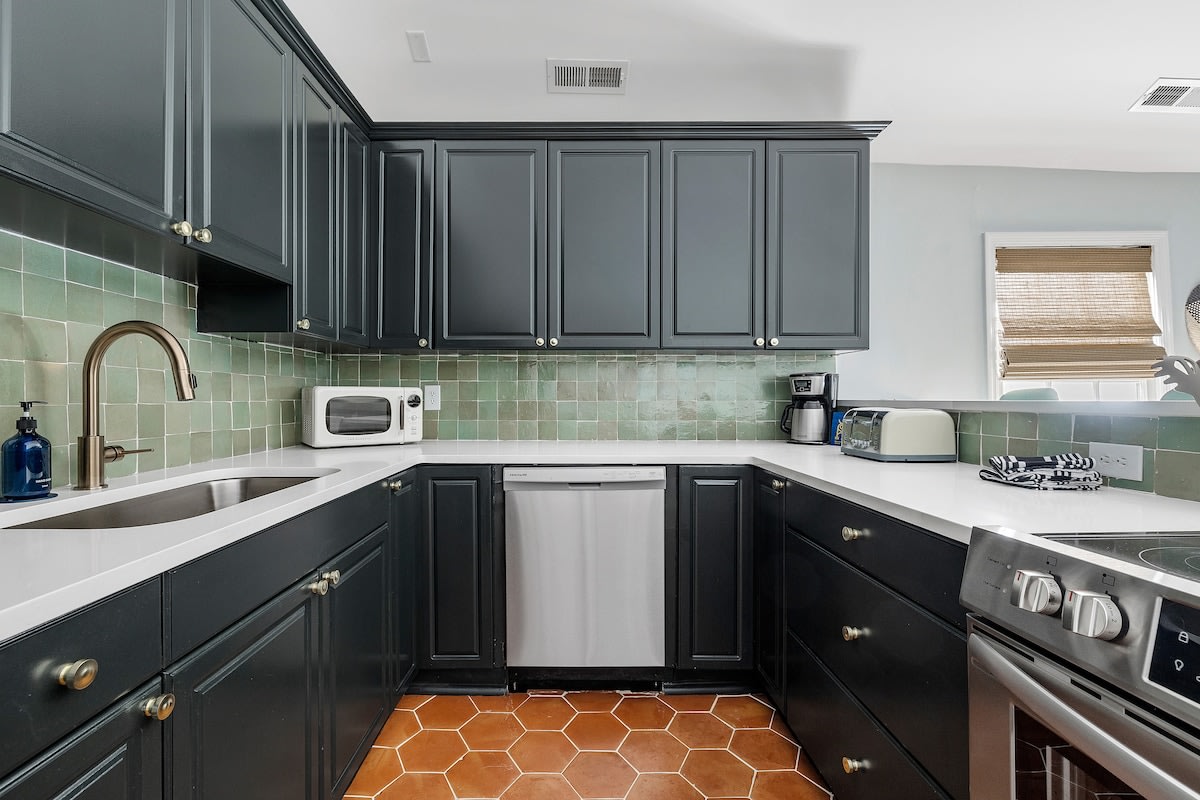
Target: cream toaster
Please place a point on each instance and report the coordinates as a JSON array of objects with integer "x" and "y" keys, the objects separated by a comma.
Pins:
[{"x": 899, "y": 434}]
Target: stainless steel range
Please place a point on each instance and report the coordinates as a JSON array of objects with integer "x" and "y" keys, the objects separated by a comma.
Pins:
[{"x": 1085, "y": 665}]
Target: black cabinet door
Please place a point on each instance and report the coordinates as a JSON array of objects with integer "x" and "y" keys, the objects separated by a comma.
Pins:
[
  {"x": 315, "y": 285},
  {"x": 240, "y": 143},
  {"x": 247, "y": 709},
  {"x": 402, "y": 188},
  {"x": 92, "y": 102},
  {"x": 354, "y": 239},
  {"x": 769, "y": 586},
  {"x": 491, "y": 244},
  {"x": 117, "y": 756},
  {"x": 715, "y": 570},
  {"x": 603, "y": 279},
  {"x": 405, "y": 528},
  {"x": 712, "y": 243},
  {"x": 457, "y": 558},
  {"x": 817, "y": 244},
  {"x": 354, "y": 652}
]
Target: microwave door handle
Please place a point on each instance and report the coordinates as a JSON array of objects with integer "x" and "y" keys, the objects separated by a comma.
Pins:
[{"x": 1102, "y": 745}]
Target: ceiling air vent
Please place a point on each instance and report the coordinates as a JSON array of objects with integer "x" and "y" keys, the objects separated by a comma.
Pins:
[
  {"x": 581, "y": 76},
  {"x": 1179, "y": 95}
]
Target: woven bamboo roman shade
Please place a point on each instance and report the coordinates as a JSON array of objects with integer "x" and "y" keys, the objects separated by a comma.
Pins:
[{"x": 1075, "y": 312}]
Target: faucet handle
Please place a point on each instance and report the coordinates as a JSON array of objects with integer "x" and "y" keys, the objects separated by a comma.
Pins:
[{"x": 115, "y": 452}]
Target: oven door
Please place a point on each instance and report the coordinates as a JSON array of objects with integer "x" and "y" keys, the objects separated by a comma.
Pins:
[{"x": 1041, "y": 732}]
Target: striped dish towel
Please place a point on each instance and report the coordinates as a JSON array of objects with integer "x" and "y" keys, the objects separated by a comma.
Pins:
[{"x": 1062, "y": 471}]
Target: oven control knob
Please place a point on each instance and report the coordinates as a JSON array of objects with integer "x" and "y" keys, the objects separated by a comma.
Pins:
[
  {"x": 1091, "y": 614},
  {"x": 1036, "y": 591}
]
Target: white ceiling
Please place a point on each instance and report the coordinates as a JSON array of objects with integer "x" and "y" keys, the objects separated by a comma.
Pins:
[{"x": 1036, "y": 83}]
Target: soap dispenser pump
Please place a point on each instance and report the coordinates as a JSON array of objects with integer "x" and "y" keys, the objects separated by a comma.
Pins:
[{"x": 25, "y": 459}]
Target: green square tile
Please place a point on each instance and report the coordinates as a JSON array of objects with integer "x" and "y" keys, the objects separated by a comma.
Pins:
[
  {"x": 222, "y": 443},
  {"x": 12, "y": 379},
  {"x": 45, "y": 340},
  {"x": 489, "y": 430},
  {"x": 10, "y": 251},
  {"x": 85, "y": 269},
  {"x": 53, "y": 424},
  {"x": 447, "y": 369},
  {"x": 175, "y": 292},
  {"x": 447, "y": 429},
  {"x": 508, "y": 430},
  {"x": 11, "y": 292},
  {"x": 118, "y": 279},
  {"x": 1175, "y": 474},
  {"x": 45, "y": 381},
  {"x": 45, "y": 298},
  {"x": 258, "y": 440},
  {"x": 151, "y": 420},
  {"x": 239, "y": 360},
  {"x": 468, "y": 369},
  {"x": 970, "y": 422},
  {"x": 240, "y": 385},
  {"x": 201, "y": 415},
  {"x": 147, "y": 285},
  {"x": 179, "y": 449},
  {"x": 1022, "y": 447},
  {"x": 258, "y": 414},
  {"x": 606, "y": 430},
  {"x": 1090, "y": 428},
  {"x": 241, "y": 414},
  {"x": 992, "y": 446},
  {"x": 241, "y": 442},
  {"x": 118, "y": 308},
  {"x": 201, "y": 447},
  {"x": 995, "y": 423},
  {"x": 39, "y": 258},
  {"x": 1053, "y": 447},
  {"x": 1022, "y": 425},
  {"x": 1055, "y": 426},
  {"x": 1179, "y": 433},
  {"x": 566, "y": 390},
  {"x": 586, "y": 430},
  {"x": 726, "y": 430},
  {"x": 152, "y": 311},
  {"x": 1135, "y": 430},
  {"x": 85, "y": 304},
  {"x": 120, "y": 422},
  {"x": 12, "y": 338},
  {"x": 178, "y": 418}
]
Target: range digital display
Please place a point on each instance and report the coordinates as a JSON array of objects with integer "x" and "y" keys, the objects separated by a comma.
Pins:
[{"x": 1175, "y": 661}]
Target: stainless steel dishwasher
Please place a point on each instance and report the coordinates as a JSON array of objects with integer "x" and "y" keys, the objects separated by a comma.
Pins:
[{"x": 584, "y": 557}]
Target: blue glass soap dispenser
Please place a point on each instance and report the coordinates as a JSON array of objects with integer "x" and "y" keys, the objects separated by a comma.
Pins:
[{"x": 25, "y": 459}]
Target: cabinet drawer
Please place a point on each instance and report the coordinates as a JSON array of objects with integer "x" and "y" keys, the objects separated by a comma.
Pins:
[
  {"x": 206, "y": 596},
  {"x": 122, "y": 633},
  {"x": 830, "y": 725},
  {"x": 907, "y": 667},
  {"x": 887, "y": 549}
]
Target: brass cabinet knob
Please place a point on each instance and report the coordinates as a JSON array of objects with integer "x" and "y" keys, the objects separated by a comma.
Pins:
[
  {"x": 182, "y": 228},
  {"x": 853, "y": 765},
  {"x": 553, "y": 342},
  {"x": 777, "y": 484},
  {"x": 320, "y": 587},
  {"x": 395, "y": 486},
  {"x": 334, "y": 576},
  {"x": 202, "y": 235},
  {"x": 79, "y": 675},
  {"x": 759, "y": 342},
  {"x": 422, "y": 343},
  {"x": 303, "y": 324},
  {"x": 852, "y": 534},
  {"x": 160, "y": 707},
  {"x": 774, "y": 341},
  {"x": 539, "y": 341},
  {"x": 850, "y": 633}
]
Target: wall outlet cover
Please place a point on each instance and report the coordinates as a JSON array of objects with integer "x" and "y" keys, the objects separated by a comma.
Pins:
[
  {"x": 1117, "y": 460},
  {"x": 433, "y": 397}
]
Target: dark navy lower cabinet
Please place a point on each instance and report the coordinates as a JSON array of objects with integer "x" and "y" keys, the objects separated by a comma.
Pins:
[{"x": 405, "y": 524}]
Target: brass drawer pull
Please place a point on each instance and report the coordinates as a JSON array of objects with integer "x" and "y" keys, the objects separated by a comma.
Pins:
[
  {"x": 853, "y": 765},
  {"x": 852, "y": 534},
  {"x": 320, "y": 587},
  {"x": 850, "y": 633},
  {"x": 160, "y": 707},
  {"x": 777, "y": 484},
  {"x": 80, "y": 675},
  {"x": 334, "y": 576}
]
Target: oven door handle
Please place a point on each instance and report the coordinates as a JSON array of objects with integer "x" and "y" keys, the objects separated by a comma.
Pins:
[{"x": 1103, "y": 745}]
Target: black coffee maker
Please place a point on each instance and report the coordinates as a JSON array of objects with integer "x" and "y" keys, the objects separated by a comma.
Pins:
[{"x": 814, "y": 396}]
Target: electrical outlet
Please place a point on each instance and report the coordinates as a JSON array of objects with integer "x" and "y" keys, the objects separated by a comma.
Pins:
[
  {"x": 1117, "y": 460},
  {"x": 433, "y": 397}
]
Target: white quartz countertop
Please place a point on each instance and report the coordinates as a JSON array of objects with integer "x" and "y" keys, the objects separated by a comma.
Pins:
[{"x": 49, "y": 573}]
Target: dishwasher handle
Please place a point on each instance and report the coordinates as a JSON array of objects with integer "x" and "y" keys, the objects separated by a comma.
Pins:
[{"x": 593, "y": 478}]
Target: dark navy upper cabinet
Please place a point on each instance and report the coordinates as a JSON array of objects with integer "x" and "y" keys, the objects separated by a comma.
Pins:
[
  {"x": 603, "y": 279},
  {"x": 712, "y": 234},
  {"x": 491, "y": 245},
  {"x": 817, "y": 233},
  {"x": 354, "y": 237},
  {"x": 240, "y": 142},
  {"x": 315, "y": 286},
  {"x": 402, "y": 247},
  {"x": 92, "y": 102}
]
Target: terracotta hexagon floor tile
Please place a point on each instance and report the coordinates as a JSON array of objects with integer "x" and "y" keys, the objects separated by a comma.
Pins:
[
  {"x": 379, "y": 768},
  {"x": 400, "y": 727},
  {"x": 744, "y": 712},
  {"x": 499, "y": 702},
  {"x": 432, "y": 751},
  {"x": 594, "y": 731},
  {"x": 426, "y": 786},
  {"x": 411, "y": 701},
  {"x": 764, "y": 749},
  {"x": 540, "y": 787},
  {"x": 482, "y": 775},
  {"x": 593, "y": 701},
  {"x": 700, "y": 730},
  {"x": 543, "y": 751},
  {"x": 644, "y": 713},
  {"x": 653, "y": 751},
  {"x": 786, "y": 786},
  {"x": 805, "y": 767},
  {"x": 492, "y": 731},
  {"x": 446, "y": 712},
  {"x": 663, "y": 787},
  {"x": 545, "y": 713},
  {"x": 717, "y": 773},
  {"x": 600, "y": 775},
  {"x": 690, "y": 702}
]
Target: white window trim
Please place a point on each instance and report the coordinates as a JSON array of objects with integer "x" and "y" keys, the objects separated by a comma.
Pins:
[{"x": 1159, "y": 265}]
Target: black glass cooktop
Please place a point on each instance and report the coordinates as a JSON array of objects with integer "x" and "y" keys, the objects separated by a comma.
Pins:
[{"x": 1177, "y": 553}]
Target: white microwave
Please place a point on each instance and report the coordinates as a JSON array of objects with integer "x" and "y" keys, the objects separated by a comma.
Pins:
[{"x": 344, "y": 416}]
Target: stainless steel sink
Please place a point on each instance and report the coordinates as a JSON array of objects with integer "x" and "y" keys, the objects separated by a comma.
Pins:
[{"x": 171, "y": 505}]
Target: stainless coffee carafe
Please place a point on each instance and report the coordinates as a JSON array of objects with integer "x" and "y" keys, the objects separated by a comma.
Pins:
[{"x": 814, "y": 396}]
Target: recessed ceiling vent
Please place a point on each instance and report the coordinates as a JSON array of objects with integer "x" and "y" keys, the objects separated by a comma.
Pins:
[
  {"x": 586, "y": 76},
  {"x": 1179, "y": 95}
]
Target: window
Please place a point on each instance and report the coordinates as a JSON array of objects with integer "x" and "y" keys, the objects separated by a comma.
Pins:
[{"x": 1080, "y": 313}]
